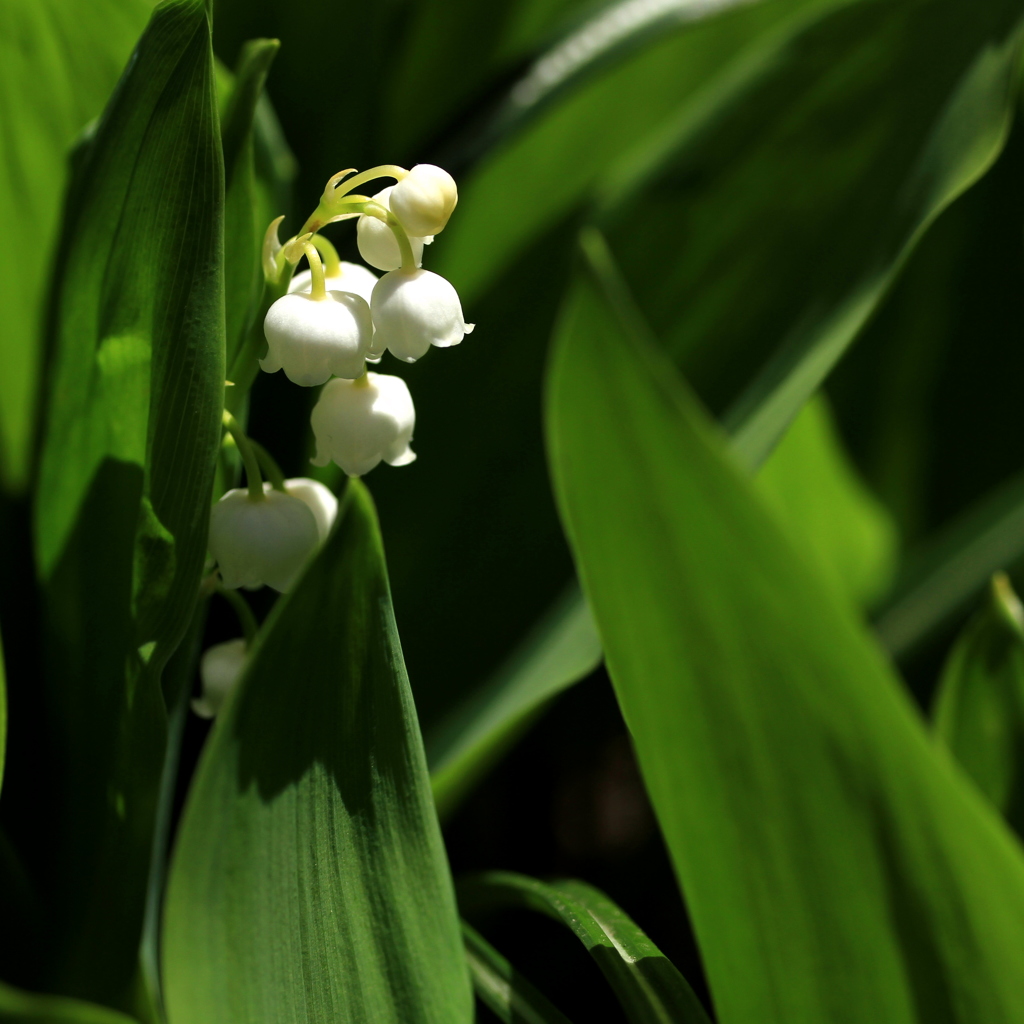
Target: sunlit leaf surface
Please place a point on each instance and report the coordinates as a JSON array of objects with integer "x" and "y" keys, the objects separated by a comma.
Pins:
[
  {"x": 309, "y": 880},
  {"x": 835, "y": 865}
]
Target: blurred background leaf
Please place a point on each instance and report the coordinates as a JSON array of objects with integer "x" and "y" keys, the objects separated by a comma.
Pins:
[
  {"x": 834, "y": 866},
  {"x": 59, "y": 61},
  {"x": 122, "y": 505},
  {"x": 17, "y": 1007},
  {"x": 309, "y": 878},
  {"x": 979, "y": 706}
]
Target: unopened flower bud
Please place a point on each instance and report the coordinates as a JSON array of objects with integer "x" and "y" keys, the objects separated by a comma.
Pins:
[
  {"x": 313, "y": 339},
  {"x": 360, "y": 423},
  {"x": 424, "y": 199},
  {"x": 414, "y": 309},
  {"x": 319, "y": 499},
  {"x": 354, "y": 278},
  {"x": 219, "y": 669},
  {"x": 376, "y": 240},
  {"x": 263, "y": 540}
]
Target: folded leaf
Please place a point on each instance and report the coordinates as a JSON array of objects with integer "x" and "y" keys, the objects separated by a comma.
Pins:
[
  {"x": 309, "y": 881},
  {"x": 835, "y": 865},
  {"x": 650, "y": 988},
  {"x": 123, "y": 498}
]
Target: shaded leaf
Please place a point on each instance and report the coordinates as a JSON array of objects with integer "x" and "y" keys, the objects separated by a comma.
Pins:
[
  {"x": 122, "y": 505},
  {"x": 562, "y": 650},
  {"x": 836, "y": 867},
  {"x": 501, "y": 987},
  {"x": 647, "y": 984},
  {"x": 309, "y": 880},
  {"x": 59, "y": 61},
  {"x": 979, "y": 706}
]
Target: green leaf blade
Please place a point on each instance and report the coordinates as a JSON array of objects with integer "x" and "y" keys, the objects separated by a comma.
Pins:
[
  {"x": 835, "y": 867},
  {"x": 309, "y": 879},
  {"x": 650, "y": 988}
]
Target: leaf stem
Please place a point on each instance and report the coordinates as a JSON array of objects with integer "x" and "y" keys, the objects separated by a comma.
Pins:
[
  {"x": 269, "y": 465},
  {"x": 253, "y": 477},
  {"x": 250, "y": 627}
]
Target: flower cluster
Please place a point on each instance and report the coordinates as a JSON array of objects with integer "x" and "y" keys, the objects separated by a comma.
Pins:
[{"x": 322, "y": 327}]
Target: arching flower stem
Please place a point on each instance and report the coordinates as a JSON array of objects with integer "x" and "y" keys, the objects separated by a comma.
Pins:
[
  {"x": 337, "y": 187},
  {"x": 246, "y": 619},
  {"x": 253, "y": 477},
  {"x": 318, "y": 286},
  {"x": 329, "y": 255},
  {"x": 269, "y": 466}
]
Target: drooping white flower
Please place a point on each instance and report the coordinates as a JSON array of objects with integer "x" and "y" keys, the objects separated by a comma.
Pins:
[
  {"x": 414, "y": 309},
  {"x": 263, "y": 540},
  {"x": 376, "y": 240},
  {"x": 312, "y": 339},
  {"x": 424, "y": 199},
  {"x": 354, "y": 278},
  {"x": 319, "y": 499},
  {"x": 219, "y": 669},
  {"x": 360, "y": 423}
]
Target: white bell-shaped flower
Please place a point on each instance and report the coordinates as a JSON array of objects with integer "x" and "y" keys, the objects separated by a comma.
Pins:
[
  {"x": 263, "y": 540},
  {"x": 360, "y": 423},
  {"x": 220, "y": 668},
  {"x": 314, "y": 339},
  {"x": 414, "y": 309},
  {"x": 319, "y": 499},
  {"x": 376, "y": 240},
  {"x": 354, "y": 278},
  {"x": 424, "y": 199}
]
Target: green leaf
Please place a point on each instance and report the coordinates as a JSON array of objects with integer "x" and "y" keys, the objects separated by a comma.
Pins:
[
  {"x": 245, "y": 209},
  {"x": 813, "y": 488},
  {"x": 979, "y": 706},
  {"x": 501, "y": 987},
  {"x": 123, "y": 499},
  {"x": 539, "y": 175},
  {"x": 836, "y": 867},
  {"x": 647, "y": 984},
  {"x": 139, "y": 345},
  {"x": 310, "y": 818},
  {"x": 59, "y": 60},
  {"x": 950, "y": 569},
  {"x": 562, "y": 650},
  {"x": 17, "y": 1007},
  {"x": 925, "y": 101}
]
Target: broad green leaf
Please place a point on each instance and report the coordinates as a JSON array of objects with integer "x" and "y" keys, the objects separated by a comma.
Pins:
[
  {"x": 309, "y": 880},
  {"x": 835, "y": 865},
  {"x": 245, "y": 209},
  {"x": 810, "y": 483},
  {"x": 59, "y": 61},
  {"x": 647, "y": 984},
  {"x": 924, "y": 99},
  {"x": 501, "y": 987},
  {"x": 979, "y": 706},
  {"x": 17, "y": 1007},
  {"x": 122, "y": 506},
  {"x": 539, "y": 175},
  {"x": 952, "y": 567},
  {"x": 563, "y": 649}
]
